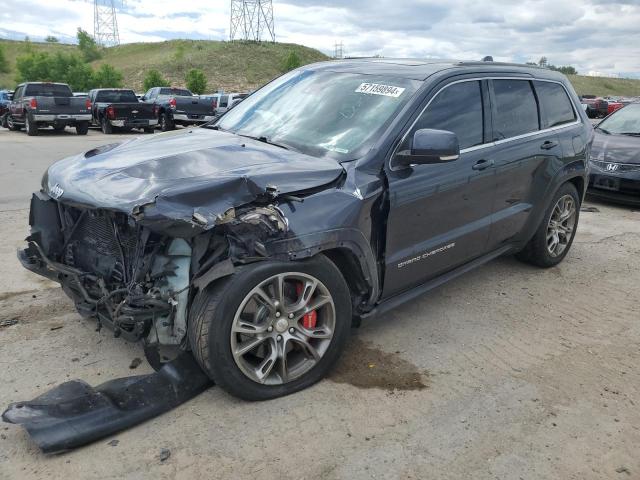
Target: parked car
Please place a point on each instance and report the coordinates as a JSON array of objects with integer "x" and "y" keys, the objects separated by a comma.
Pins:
[
  {"x": 120, "y": 108},
  {"x": 178, "y": 106},
  {"x": 597, "y": 107},
  {"x": 615, "y": 157},
  {"x": 44, "y": 104},
  {"x": 332, "y": 194},
  {"x": 5, "y": 100},
  {"x": 226, "y": 101}
]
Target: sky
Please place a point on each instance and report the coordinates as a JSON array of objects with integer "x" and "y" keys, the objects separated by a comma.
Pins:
[{"x": 594, "y": 36}]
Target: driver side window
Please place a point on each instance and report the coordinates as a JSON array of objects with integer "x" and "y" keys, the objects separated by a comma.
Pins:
[{"x": 457, "y": 109}]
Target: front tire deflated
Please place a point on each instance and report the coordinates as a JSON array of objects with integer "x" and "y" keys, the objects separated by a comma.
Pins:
[{"x": 272, "y": 328}]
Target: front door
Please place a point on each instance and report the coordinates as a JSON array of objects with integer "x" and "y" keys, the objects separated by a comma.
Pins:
[{"x": 440, "y": 214}]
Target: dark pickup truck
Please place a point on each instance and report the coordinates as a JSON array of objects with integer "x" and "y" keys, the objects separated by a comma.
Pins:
[
  {"x": 178, "y": 106},
  {"x": 45, "y": 104},
  {"x": 120, "y": 108},
  {"x": 5, "y": 101}
]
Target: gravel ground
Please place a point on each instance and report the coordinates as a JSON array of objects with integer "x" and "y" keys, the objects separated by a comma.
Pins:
[{"x": 508, "y": 372}]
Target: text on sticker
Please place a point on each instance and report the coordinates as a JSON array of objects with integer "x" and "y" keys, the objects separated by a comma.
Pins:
[{"x": 377, "y": 89}]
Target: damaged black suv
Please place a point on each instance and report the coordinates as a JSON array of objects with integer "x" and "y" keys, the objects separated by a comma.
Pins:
[{"x": 334, "y": 193}]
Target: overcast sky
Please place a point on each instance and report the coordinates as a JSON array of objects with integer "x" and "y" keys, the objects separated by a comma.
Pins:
[{"x": 592, "y": 35}]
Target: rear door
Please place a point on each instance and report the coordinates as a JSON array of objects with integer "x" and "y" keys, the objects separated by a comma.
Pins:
[
  {"x": 17, "y": 107},
  {"x": 440, "y": 214},
  {"x": 524, "y": 150}
]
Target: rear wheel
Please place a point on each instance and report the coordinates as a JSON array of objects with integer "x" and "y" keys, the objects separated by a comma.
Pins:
[
  {"x": 166, "y": 122},
  {"x": 82, "y": 128},
  {"x": 30, "y": 125},
  {"x": 272, "y": 328},
  {"x": 554, "y": 236},
  {"x": 105, "y": 126}
]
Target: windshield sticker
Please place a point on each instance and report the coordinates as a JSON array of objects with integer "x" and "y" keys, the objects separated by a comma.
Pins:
[{"x": 377, "y": 89}]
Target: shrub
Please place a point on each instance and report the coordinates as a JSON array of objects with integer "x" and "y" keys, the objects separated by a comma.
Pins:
[
  {"x": 153, "y": 78},
  {"x": 196, "y": 81}
]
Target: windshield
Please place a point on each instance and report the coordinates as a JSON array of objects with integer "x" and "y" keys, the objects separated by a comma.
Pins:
[
  {"x": 624, "y": 121},
  {"x": 116, "y": 96},
  {"x": 321, "y": 113}
]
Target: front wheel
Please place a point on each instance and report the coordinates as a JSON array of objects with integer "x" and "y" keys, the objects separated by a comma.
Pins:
[
  {"x": 14, "y": 127},
  {"x": 556, "y": 232},
  {"x": 5, "y": 124},
  {"x": 272, "y": 328}
]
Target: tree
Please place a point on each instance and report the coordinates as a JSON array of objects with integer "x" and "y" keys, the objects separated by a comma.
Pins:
[
  {"x": 292, "y": 62},
  {"x": 87, "y": 45},
  {"x": 153, "y": 78},
  {"x": 107, "y": 77},
  {"x": 79, "y": 77},
  {"x": 4, "y": 64},
  {"x": 51, "y": 39},
  {"x": 34, "y": 66},
  {"x": 196, "y": 81},
  {"x": 543, "y": 61}
]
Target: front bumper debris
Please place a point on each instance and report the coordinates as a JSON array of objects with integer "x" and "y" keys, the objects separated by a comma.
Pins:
[{"x": 75, "y": 414}]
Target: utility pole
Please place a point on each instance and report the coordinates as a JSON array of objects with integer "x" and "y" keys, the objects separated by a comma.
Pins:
[
  {"x": 105, "y": 23},
  {"x": 251, "y": 20}
]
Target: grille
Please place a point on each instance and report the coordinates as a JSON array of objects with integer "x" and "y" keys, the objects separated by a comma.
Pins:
[{"x": 622, "y": 167}]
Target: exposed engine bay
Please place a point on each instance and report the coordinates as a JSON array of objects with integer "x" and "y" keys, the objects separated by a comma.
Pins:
[{"x": 132, "y": 279}]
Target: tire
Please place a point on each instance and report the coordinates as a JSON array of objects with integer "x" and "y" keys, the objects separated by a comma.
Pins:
[
  {"x": 539, "y": 250},
  {"x": 4, "y": 122},
  {"x": 105, "y": 126},
  {"x": 214, "y": 311},
  {"x": 82, "y": 128},
  {"x": 149, "y": 130},
  {"x": 166, "y": 122},
  {"x": 30, "y": 126},
  {"x": 11, "y": 125}
]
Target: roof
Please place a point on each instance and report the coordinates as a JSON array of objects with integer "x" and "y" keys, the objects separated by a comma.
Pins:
[{"x": 421, "y": 69}]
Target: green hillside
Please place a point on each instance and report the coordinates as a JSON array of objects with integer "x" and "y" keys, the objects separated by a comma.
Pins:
[
  {"x": 235, "y": 66},
  {"x": 230, "y": 66}
]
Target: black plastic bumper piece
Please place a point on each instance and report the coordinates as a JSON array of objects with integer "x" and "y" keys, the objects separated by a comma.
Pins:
[{"x": 75, "y": 413}]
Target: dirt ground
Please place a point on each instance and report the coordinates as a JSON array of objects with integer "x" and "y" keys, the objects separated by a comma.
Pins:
[{"x": 509, "y": 372}]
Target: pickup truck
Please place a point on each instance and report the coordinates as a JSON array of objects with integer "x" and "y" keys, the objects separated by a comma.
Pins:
[
  {"x": 597, "y": 107},
  {"x": 120, "y": 108},
  {"x": 178, "y": 106},
  {"x": 45, "y": 104}
]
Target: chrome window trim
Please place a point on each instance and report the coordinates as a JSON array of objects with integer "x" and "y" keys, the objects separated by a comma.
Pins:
[{"x": 578, "y": 120}]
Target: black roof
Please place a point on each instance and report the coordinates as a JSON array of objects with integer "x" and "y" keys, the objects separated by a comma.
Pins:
[{"x": 421, "y": 69}]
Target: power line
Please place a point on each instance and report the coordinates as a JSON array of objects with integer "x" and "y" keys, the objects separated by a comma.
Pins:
[{"x": 251, "y": 20}]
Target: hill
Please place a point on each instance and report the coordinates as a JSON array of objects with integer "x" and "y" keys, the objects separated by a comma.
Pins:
[
  {"x": 235, "y": 66},
  {"x": 232, "y": 66}
]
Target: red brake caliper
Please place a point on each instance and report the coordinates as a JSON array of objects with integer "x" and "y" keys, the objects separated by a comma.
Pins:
[{"x": 310, "y": 319}]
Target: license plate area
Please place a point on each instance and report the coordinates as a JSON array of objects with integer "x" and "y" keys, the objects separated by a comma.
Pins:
[{"x": 607, "y": 183}]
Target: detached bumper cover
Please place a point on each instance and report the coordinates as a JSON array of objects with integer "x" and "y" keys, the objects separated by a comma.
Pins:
[{"x": 75, "y": 413}]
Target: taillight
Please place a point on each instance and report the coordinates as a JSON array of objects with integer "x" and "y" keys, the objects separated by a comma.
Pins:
[
  {"x": 87, "y": 103},
  {"x": 33, "y": 103},
  {"x": 156, "y": 110},
  {"x": 111, "y": 112},
  {"x": 172, "y": 102}
]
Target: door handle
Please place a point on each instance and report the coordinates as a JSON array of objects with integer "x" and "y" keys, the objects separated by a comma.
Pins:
[
  {"x": 549, "y": 144},
  {"x": 482, "y": 164}
]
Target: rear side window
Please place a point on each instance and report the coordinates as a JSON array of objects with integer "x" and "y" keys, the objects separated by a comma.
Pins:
[
  {"x": 457, "y": 109},
  {"x": 555, "y": 104},
  {"x": 224, "y": 101},
  {"x": 516, "y": 109}
]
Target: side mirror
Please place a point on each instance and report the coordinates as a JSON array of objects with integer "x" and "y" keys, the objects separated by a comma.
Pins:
[{"x": 430, "y": 146}]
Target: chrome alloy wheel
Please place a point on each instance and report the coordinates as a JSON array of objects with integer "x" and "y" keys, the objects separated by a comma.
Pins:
[
  {"x": 282, "y": 328},
  {"x": 561, "y": 225}
]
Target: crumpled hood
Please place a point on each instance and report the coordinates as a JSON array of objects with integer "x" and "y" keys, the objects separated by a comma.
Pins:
[
  {"x": 182, "y": 172},
  {"x": 615, "y": 148}
]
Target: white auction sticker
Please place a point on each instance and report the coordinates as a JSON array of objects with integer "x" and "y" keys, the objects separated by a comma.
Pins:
[{"x": 377, "y": 89}]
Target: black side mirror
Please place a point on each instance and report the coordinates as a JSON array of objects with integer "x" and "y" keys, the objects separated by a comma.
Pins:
[{"x": 430, "y": 146}]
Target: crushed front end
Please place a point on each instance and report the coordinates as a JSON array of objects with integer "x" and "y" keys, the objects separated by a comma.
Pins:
[{"x": 129, "y": 278}]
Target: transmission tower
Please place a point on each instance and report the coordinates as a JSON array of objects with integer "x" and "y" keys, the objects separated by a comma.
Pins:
[
  {"x": 338, "y": 50},
  {"x": 105, "y": 23},
  {"x": 251, "y": 19}
]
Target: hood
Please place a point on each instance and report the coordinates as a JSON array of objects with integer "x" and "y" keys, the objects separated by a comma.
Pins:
[
  {"x": 615, "y": 148},
  {"x": 184, "y": 172}
]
